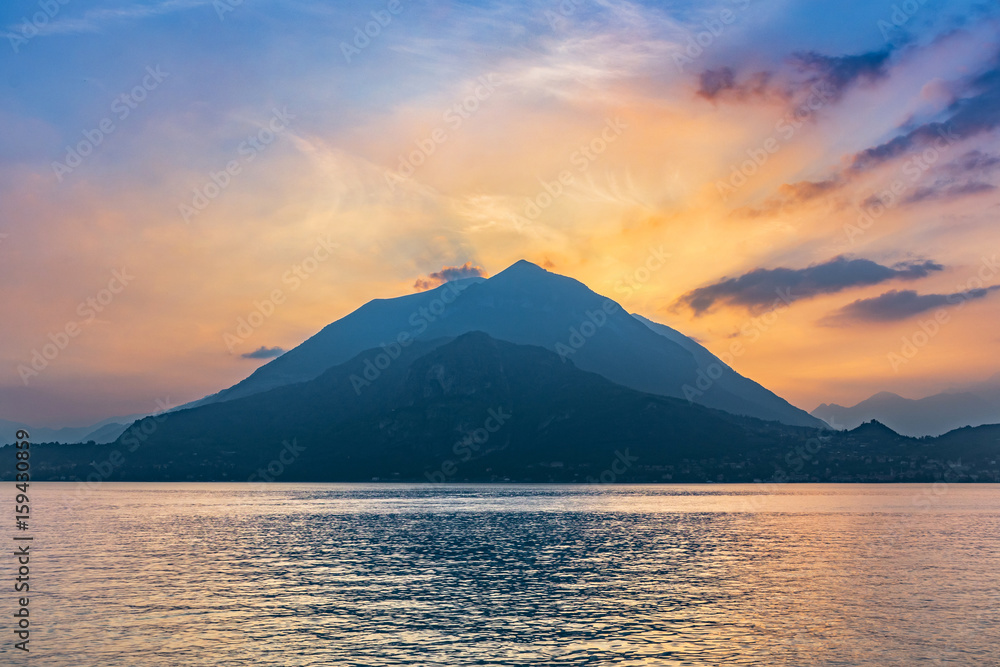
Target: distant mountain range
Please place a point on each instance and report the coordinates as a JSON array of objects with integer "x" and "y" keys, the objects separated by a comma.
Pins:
[
  {"x": 970, "y": 406},
  {"x": 102, "y": 432}
]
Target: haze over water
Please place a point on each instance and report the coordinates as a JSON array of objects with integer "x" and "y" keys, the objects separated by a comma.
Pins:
[{"x": 339, "y": 574}]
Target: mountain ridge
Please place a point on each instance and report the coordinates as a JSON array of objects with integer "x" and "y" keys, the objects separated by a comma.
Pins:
[{"x": 932, "y": 415}]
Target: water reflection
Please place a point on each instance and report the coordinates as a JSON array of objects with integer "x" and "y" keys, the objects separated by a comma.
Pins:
[{"x": 217, "y": 574}]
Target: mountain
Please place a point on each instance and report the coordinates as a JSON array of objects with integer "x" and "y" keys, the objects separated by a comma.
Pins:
[
  {"x": 108, "y": 432},
  {"x": 756, "y": 400},
  {"x": 527, "y": 405},
  {"x": 103, "y": 432},
  {"x": 474, "y": 408},
  {"x": 528, "y": 305},
  {"x": 934, "y": 415}
]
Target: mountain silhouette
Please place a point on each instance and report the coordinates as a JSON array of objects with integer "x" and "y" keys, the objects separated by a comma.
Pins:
[{"x": 525, "y": 304}]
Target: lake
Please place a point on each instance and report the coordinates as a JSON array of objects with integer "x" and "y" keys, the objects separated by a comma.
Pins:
[{"x": 380, "y": 574}]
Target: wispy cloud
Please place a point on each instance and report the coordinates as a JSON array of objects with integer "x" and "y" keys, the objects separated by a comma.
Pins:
[
  {"x": 946, "y": 191},
  {"x": 976, "y": 112},
  {"x": 96, "y": 20},
  {"x": 975, "y": 161}
]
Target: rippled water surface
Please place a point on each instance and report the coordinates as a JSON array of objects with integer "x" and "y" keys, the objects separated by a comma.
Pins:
[{"x": 226, "y": 574}]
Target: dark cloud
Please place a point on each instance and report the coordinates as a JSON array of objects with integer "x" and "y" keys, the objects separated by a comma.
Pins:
[
  {"x": 899, "y": 305},
  {"x": 806, "y": 190},
  {"x": 264, "y": 353},
  {"x": 951, "y": 186},
  {"x": 809, "y": 73},
  {"x": 975, "y": 161},
  {"x": 760, "y": 289},
  {"x": 838, "y": 73},
  {"x": 959, "y": 178},
  {"x": 713, "y": 82},
  {"x": 719, "y": 83},
  {"x": 871, "y": 201},
  {"x": 945, "y": 191},
  {"x": 925, "y": 135},
  {"x": 447, "y": 274}
]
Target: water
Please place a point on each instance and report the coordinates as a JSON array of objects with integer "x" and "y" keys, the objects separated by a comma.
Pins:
[{"x": 226, "y": 574}]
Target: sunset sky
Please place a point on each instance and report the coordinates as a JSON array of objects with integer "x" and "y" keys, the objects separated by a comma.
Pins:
[{"x": 845, "y": 155}]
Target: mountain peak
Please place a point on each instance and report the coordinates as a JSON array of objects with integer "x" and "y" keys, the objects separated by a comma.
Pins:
[
  {"x": 885, "y": 396},
  {"x": 523, "y": 267},
  {"x": 524, "y": 275},
  {"x": 527, "y": 305}
]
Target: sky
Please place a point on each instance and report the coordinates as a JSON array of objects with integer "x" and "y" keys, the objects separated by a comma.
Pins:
[{"x": 809, "y": 189}]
